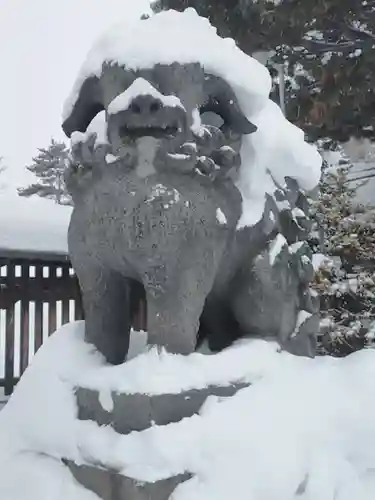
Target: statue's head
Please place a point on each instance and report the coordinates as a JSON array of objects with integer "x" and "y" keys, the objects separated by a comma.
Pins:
[
  {"x": 158, "y": 81},
  {"x": 179, "y": 105}
]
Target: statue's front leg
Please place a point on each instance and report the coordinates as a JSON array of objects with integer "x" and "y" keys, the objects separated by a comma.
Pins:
[
  {"x": 106, "y": 300},
  {"x": 174, "y": 309}
]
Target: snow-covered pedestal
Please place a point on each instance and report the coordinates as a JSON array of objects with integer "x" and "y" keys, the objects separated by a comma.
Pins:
[
  {"x": 127, "y": 413},
  {"x": 302, "y": 428},
  {"x": 137, "y": 412},
  {"x": 110, "y": 485}
]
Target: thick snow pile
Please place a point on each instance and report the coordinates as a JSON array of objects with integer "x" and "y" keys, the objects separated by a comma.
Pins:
[
  {"x": 33, "y": 224},
  {"x": 305, "y": 429},
  {"x": 277, "y": 150},
  {"x": 173, "y": 36},
  {"x": 278, "y": 147}
]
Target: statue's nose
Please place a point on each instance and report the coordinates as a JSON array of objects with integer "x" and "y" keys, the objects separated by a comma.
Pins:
[{"x": 145, "y": 105}]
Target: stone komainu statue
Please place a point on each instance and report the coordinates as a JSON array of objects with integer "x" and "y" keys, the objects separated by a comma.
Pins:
[{"x": 156, "y": 213}]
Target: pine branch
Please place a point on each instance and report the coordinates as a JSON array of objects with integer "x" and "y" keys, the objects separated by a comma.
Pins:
[
  {"x": 318, "y": 46},
  {"x": 371, "y": 176},
  {"x": 362, "y": 33}
]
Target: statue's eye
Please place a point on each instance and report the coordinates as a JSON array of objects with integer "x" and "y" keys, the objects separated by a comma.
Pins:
[{"x": 211, "y": 118}]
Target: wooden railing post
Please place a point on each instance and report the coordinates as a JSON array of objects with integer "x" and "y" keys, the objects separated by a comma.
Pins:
[
  {"x": 41, "y": 290},
  {"x": 9, "y": 334},
  {"x": 22, "y": 290},
  {"x": 66, "y": 299},
  {"x": 25, "y": 326},
  {"x": 38, "y": 320},
  {"x": 52, "y": 312}
]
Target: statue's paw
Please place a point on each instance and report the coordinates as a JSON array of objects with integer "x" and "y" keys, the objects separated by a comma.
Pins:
[
  {"x": 303, "y": 339},
  {"x": 190, "y": 149},
  {"x": 76, "y": 177},
  {"x": 206, "y": 166},
  {"x": 210, "y": 139},
  {"x": 226, "y": 157},
  {"x": 85, "y": 151},
  {"x": 217, "y": 166},
  {"x": 81, "y": 147},
  {"x": 183, "y": 161}
]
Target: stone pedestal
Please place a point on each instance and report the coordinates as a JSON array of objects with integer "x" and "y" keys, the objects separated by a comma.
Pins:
[
  {"x": 137, "y": 412},
  {"x": 109, "y": 485}
]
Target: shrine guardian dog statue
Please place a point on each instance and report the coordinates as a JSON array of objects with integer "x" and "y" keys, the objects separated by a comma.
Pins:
[{"x": 156, "y": 212}]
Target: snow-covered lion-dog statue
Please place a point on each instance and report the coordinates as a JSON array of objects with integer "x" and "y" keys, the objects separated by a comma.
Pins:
[{"x": 158, "y": 204}]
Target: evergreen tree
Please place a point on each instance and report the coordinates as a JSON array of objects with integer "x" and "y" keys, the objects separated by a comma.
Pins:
[
  {"x": 49, "y": 167},
  {"x": 345, "y": 279},
  {"x": 326, "y": 47}
]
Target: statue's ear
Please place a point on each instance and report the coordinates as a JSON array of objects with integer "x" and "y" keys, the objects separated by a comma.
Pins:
[
  {"x": 86, "y": 107},
  {"x": 222, "y": 100}
]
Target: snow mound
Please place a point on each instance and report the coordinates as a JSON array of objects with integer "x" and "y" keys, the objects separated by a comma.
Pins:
[
  {"x": 277, "y": 148},
  {"x": 304, "y": 429}
]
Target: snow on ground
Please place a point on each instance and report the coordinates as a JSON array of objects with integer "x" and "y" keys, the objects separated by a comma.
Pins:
[
  {"x": 33, "y": 224},
  {"x": 305, "y": 429},
  {"x": 277, "y": 148}
]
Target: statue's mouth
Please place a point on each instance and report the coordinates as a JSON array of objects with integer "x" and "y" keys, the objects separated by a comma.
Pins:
[{"x": 162, "y": 132}]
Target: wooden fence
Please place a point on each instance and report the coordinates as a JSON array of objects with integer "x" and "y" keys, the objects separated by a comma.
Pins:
[{"x": 38, "y": 293}]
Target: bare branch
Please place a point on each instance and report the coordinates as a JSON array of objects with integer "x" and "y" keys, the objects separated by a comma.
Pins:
[{"x": 365, "y": 177}]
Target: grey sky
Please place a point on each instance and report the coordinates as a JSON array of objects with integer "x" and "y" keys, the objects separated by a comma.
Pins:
[{"x": 42, "y": 45}]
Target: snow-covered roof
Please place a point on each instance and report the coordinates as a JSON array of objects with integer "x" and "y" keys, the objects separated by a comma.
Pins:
[
  {"x": 304, "y": 428},
  {"x": 33, "y": 224},
  {"x": 278, "y": 147}
]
